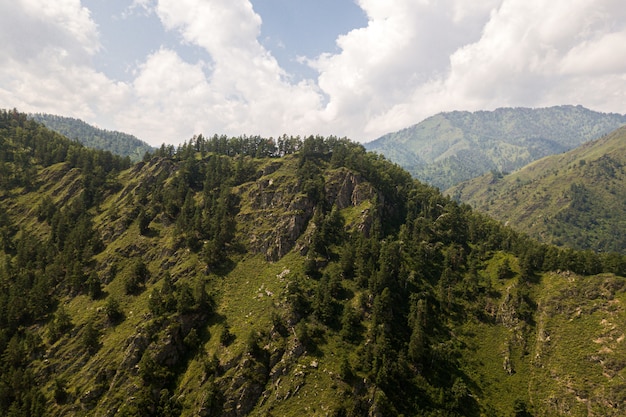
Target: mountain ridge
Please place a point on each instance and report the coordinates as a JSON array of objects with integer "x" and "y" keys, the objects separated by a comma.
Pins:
[
  {"x": 452, "y": 147},
  {"x": 119, "y": 143},
  {"x": 573, "y": 199},
  {"x": 250, "y": 276}
]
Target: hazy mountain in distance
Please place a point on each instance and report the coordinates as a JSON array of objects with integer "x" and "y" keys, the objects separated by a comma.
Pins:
[
  {"x": 116, "y": 142},
  {"x": 449, "y": 148}
]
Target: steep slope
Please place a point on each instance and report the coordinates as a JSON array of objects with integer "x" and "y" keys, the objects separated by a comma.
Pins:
[
  {"x": 574, "y": 199},
  {"x": 118, "y": 143},
  {"x": 246, "y": 276},
  {"x": 449, "y": 148}
]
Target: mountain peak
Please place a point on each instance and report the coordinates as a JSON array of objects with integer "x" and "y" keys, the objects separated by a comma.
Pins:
[{"x": 452, "y": 147}]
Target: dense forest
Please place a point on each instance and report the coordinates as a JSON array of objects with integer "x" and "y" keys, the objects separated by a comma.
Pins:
[
  {"x": 288, "y": 276},
  {"x": 117, "y": 143}
]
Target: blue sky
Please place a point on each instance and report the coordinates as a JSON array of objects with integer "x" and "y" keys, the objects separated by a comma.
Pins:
[
  {"x": 290, "y": 29},
  {"x": 165, "y": 70},
  {"x": 305, "y": 28}
]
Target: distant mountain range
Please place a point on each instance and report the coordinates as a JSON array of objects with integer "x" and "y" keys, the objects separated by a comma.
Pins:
[
  {"x": 574, "y": 199},
  {"x": 450, "y": 148},
  {"x": 118, "y": 143}
]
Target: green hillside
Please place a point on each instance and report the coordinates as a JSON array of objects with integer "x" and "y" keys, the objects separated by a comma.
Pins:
[
  {"x": 118, "y": 143},
  {"x": 284, "y": 277},
  {"x": 449, "y": 148},
  {"x": 574, "y": 199}
]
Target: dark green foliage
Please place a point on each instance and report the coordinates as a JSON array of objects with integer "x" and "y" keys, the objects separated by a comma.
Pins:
[
  {"x": 136, "y": 277},
  {"x": 351, "y": 327},
  {"x": 60, "y": 324},
  {"x": 60, "y": 394},
  {"x": 94, "y": 286},
  {"x": 90, "y": 337},
  {"x": 163, "y": 301},
  {"x": 152, "y": 373},
  {"x": 226, "y": 337},
  {"x": 192, "y": 341},
  {"x": 185, "y": 301},
  {"x": 303, "y": 333},
  {"x": 113, "y": 311},
  {"x": 325, "y": 305},
  {"x": 202, "y": 301},
  {"x": 143, "y": 222},
  {"x": 156, "y": 303},
  {"x": 297, "y": 299},
  {"x": 418, "y": 321},
  {"x": 504, "y": 269},
  {"x": 348, "y": 255},
  {"x": 329, "y": 231},
  {"x": 520, "y": 409},
  {"x": 387, "y": 308}
]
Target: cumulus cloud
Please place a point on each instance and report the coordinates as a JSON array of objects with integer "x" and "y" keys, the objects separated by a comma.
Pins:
[
  {"x": 530, "y": 49},
  {"x": 414, "y": 58},
  {"x": 31, "y": 26},
  {"x": 45, "y": 60},
  {"x": 418, "y": 58},
  {"x": 242, "y": 90},
  {"x": 405, "y": 46}
]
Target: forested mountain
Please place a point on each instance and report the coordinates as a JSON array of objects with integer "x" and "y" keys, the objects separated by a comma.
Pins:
[
  {"x": 574, "y": 199},
  {"x": 449, "y": 148},
  {"x": 288, "y": 277},
  {"x": 116, "y": 142}
]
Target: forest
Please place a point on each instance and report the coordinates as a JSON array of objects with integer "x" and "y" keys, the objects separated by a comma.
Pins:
[
  {"x": 117, "y": 142},
  {"x": 236, "y": 276}
]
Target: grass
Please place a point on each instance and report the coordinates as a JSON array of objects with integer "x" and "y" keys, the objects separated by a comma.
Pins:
[
  {"x": 585, "y": 350},
  {"x": 569, "y": 362},
  {"x": 538, "y": 198},
  {"x": 564, "y": 354}
]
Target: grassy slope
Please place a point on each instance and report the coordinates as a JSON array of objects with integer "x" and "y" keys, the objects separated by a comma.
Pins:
[
  {"x": 569, "y": 360},
  {"x": 247, "y": 298},
  {"x": 539, "y": 199}
]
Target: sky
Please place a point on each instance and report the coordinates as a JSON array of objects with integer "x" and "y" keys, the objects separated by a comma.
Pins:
[{"x": 165, "y": 70}]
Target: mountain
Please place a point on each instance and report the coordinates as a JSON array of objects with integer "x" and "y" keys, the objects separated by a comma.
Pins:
[
  {"x": 574, "y": 199},
  {"x": 449, "y": 148},
  {"x": 249, "y": 276},
  {"x": 117, "y": 142}
]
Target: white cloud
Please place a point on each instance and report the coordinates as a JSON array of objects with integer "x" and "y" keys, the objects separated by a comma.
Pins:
[
  {"x": 244, "y": 90},
  {"x": 413, "y": 59},
  {"x": 220, "y": 26},
  {"x": 51, "y": 84},
  {"x": 168, "y": 98},
  {"x": 418, "y": 58},
  {"x": 29, "y": 26},
  {"x": 530, "y": 48},
  {"x": 405, "y": 47},
  {"x": 598, "y": 56},
  {"x": 45, "y": 60}
]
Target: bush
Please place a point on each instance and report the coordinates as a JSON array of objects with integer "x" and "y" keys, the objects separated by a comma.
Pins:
[
  {"x": 113, "y": 311},
  {"x": 226, "y": 338},
  {"x": 139, "y": 274},
  {"x": 91, "y": 338}
]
